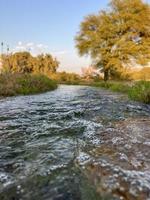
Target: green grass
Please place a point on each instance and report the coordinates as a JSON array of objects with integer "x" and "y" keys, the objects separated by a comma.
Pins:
[
  {"x": 113, "y": 86},
  {"x": 139, "y": 91},
  {"x": 24, "y": 84}
]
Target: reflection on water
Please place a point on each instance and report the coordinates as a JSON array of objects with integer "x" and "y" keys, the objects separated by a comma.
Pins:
[{"x": 65, "y": 144}]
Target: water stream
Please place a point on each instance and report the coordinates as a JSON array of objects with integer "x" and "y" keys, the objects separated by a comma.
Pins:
[{"x": 74, "y": 143}]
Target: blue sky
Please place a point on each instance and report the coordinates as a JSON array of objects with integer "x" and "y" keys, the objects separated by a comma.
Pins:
[{"x": 46, "y": 26}]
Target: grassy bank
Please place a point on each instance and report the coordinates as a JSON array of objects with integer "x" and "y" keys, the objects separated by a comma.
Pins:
[
  {"x": 138, "y": 91},
  {"x": 24, "y": 84}
]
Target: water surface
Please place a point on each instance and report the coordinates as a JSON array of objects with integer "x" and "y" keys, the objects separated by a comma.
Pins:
[{"x": 74, "y": 143}]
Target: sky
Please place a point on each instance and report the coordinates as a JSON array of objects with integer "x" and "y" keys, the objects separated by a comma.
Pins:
[
  {"x": 42, "y": 26},
  {"x": 47, "y": 26}
]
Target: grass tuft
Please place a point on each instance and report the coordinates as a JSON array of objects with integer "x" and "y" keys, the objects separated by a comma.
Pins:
[
  {"x": 24, "y": 84},
  {"x": 139, "y": 91}
]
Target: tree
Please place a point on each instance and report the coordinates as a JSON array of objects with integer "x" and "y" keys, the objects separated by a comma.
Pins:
[
  {"x": 39, "y": 67},
  {"x": 142, "y": 74},
  {"x": 20, "y": 62},
  {"x": 117, "y": 37},
  {"x": 24, "y": 62},
  {"x": 51, "y": 64},
  {"x": 145, "y": 73},
  {"x": 46, "y": 64}
]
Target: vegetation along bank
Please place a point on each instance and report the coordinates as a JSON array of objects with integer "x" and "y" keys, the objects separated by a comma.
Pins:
[
  {"x": 138, "y": 91},
  {"x": 24, "y": 84}
]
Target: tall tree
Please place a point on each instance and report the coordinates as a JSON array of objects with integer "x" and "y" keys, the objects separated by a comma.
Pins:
[{"x": 118, "y": 37}]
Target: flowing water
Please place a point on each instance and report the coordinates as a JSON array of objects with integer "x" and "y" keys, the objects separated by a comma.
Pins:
[{"x": 74, "y": 143}]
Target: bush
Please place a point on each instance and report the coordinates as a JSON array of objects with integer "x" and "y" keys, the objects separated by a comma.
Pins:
[
  {"x": 113, "y": 86},
  {"x": 140, "y": 91},
  {"x": 23, "y": 84},
  {"x": 66, "y": 78}
]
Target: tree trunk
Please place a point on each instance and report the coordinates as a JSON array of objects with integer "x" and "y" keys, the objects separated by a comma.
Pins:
[{"x": 106, "y": 75}]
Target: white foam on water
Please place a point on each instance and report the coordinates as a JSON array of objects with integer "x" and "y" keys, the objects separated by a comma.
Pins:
[
  {"x": 83, "y": 158},
  {"x": 6, "y": 179}
]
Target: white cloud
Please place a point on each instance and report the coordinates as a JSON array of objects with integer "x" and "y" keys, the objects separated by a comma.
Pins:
[
  {"x": 30, "y": 46},
  {"x": 60, "y": 52},
  {"x": 20, "y": 48},
  {"x": 41, "y": 46},
  {"x": 19, "y": 43}
]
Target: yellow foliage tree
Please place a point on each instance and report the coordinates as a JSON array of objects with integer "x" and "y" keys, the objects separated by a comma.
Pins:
[{"x": 115, "y": 37}]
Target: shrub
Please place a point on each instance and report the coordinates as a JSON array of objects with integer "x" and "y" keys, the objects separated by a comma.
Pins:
[
  {"x": 140, "y": 91},
  {"x": 23, "y": 84}
]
